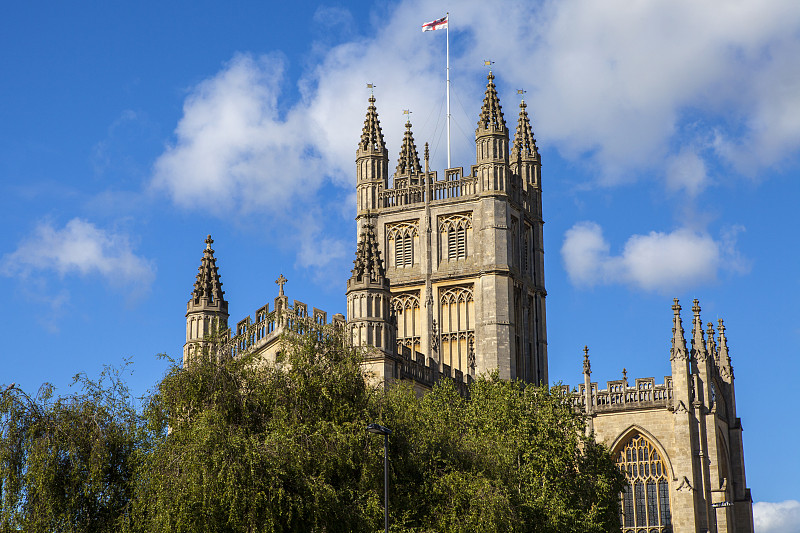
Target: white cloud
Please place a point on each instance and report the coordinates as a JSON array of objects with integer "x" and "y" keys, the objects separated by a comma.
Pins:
[
  {"x": 781, "y": 517},
  {"x": 80, "y": 248},
  {"x": 654, "y": 262},
  {"x": 652, "y": 88},
  {"x": 687, "y": 171},
  {"x": 234, "y": 151}
]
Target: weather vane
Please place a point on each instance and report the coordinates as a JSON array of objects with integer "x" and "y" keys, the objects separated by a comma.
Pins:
[{"x": 371, "y": 87}]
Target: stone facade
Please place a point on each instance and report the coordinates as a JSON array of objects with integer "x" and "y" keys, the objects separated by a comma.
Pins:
[
  {"x": 680, "y": 442},
  {"x": 448, "y": 283}
]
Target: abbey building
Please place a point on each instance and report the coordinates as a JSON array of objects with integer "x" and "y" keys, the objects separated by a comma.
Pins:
[{"x": 448, "y": 283}]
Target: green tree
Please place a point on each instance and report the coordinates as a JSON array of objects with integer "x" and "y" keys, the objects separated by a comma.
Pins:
[
  {"x": 259, "y": 447},
  {"x": 239, "y": 445},
  {"x": 510, "y": 457},
  {"x": 67, "y": 464}
]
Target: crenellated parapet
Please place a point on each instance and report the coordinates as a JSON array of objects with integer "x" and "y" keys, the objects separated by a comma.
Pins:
[
  {"x": 254, "y": 334},
  {"x": 619, "y": 395}
]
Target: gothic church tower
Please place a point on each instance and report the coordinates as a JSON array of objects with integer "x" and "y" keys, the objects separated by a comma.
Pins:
[{"x": 464, "y": 252}]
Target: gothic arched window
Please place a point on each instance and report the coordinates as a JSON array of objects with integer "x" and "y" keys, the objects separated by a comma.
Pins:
[
  {"x": 406, "y": 307},
  {"x": 458, "y": 327},
  {"x": 401, "y": 237},
  {"x": 454, "y": 230},
  {"x": 644, "y": 503}
]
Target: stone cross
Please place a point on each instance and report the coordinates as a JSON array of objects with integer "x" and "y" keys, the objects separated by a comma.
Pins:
[{"x": 281, "y": 281}]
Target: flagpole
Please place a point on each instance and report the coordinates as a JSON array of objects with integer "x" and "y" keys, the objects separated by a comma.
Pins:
[{"x": 448, "y": 89}]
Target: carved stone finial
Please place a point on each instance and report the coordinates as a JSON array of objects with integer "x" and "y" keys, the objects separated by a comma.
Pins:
[
  {"x": 625, "y": 375},
  {"x": 281, "y": 281},
  {"x": 209, "y": 241}
]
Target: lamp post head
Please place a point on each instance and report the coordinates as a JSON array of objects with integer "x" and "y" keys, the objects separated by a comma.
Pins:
[{"x": 378, "y": 429}]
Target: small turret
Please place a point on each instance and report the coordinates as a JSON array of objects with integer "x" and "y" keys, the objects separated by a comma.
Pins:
[
  {"x": 408, "y": 163},
  {"x": 369, "y": 313},
  {"x": 525, "y": 160},
  {"x": 207, "y": 310},
  {"x": 372, "y": 165},
  {"x": 491, "y": 142}
]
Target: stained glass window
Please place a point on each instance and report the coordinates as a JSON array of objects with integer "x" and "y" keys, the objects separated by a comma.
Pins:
[{"x": 644, "y": 503}]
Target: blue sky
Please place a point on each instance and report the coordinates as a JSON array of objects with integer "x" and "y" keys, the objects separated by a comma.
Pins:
[{"x": 669, "y": 132}]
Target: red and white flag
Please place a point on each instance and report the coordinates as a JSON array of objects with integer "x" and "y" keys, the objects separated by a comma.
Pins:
[{"x": 438, "y": 24}]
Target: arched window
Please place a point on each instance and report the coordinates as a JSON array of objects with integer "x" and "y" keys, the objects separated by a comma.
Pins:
[
  {"x": 406, "y": 307},
  {"x": 458, "y": 327},
  {"x": 401, "y": 237},
  {"x": 454, "y": 230},
  {"x": 644, "y": 503}
]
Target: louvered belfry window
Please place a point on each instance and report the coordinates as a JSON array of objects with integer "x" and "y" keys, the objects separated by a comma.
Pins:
[
  {"x": 454, "y": 234},
  {"x": 456, "y": 243},
  {"x": 402, "y": 235},
  {"x": 644, "y": 503},
  {"x": 403, "y": 251}
]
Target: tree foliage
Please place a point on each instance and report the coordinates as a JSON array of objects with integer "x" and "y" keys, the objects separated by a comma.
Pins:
[
  {"x": 67, "y": 464},
  {"x": 239, "y": 445}
]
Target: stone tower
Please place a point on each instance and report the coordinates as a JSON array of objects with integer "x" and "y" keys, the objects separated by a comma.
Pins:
[
  {"x": 464, "y": 252},
  {"x": 207, "y": 310},
  {"x": 370, "y": 320}
]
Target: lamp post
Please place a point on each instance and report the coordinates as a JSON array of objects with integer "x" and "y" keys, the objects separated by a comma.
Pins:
[{"x": 377, "y": 429}]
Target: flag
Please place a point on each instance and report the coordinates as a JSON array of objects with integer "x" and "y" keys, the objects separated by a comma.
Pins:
[{"x": 438, "y": 24}]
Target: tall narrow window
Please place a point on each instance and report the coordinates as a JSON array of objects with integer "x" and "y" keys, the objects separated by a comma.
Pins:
[
  {"x": 401, "y": 239},
  {"x": 406, "y": 307},
  {"x": 454, "y": 230},
  {"x": 645, "y": 501},
  {"x": 457, "y": 319}
]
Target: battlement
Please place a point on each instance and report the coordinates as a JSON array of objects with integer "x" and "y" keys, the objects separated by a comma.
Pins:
[
  {"x": 620, "y": 396},
  {"x": 425, "y": 372},
  {"x": 251, "y": 335}
]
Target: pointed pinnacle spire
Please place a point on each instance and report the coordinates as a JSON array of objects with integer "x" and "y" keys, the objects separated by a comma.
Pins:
[
  {"x": 711, "y": 344},
  {"x": 371, "y": 134},
  {"x": 491, "y": 111},
  {"x": 524, "y": 143},
  {"x": 368, "y": 258},
  {"x": 698, "y": 342},
  {"x": 724, "y": 356},
  {"x": 678, "y": 338},
  {"x": 408, "y": 163},
  {"x": 207, "y": 283},
  {"x": 587, "y": 366}
]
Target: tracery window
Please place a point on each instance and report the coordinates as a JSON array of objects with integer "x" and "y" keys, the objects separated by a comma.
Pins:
[
  {"x": 406, "y": 307},
  {"x": 401, "y": 237},
  {"x": 457, "y": 320},
  {"x": 644, "y": 503},
  {"x": 454, "y": 230}
]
